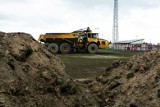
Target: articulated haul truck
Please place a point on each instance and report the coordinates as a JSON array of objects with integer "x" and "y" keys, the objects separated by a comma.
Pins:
[{"x": 78, "y": 40}]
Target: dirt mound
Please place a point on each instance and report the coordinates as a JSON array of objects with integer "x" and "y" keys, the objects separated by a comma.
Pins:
[
  {"x": 135, "y": 83},
  {"x": 30, "y": 76}
]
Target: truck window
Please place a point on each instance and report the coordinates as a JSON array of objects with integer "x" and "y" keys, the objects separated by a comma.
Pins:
[
  {"x": 89, "y": 35},
  {"x": 95, "y": 35},
  {"x": 103, "y": 43}
]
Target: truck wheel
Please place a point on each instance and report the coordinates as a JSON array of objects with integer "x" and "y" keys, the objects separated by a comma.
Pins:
[
  {"x": 54, "y": 48},
  {"x": 65, "y": 48},
  {"x": 92, "y": 48}
]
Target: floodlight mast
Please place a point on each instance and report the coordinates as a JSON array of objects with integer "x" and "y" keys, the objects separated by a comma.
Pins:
[{"x": 115, "y": 33}]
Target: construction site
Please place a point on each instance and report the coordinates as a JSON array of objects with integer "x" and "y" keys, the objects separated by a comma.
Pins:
[
  {"x": 78, "y": 69},
  {"x": 31, "y": 76}
]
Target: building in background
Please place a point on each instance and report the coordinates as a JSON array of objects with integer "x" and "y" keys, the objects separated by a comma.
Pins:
[{"x": 135, "y": 45}]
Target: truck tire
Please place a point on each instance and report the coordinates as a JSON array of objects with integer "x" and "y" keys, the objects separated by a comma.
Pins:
[
  {"x": 92, "y": 48},
  {"x": 65, "y": 48},
  {"x": 54, "y": 48}
]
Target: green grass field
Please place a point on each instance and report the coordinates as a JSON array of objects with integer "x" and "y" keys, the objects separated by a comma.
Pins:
[{"x": 82, "y": 65}]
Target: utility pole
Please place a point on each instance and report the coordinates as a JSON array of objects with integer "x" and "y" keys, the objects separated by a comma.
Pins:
[{"x": 115, "y": 33}]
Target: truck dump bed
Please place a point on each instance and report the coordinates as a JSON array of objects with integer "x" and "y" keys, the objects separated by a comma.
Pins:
[{"x": 58, "y": 37}]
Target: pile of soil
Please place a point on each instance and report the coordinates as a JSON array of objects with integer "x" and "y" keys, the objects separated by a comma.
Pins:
[
  {"x": 135, "y": 83},
  {"x": 30, "y": 76}
]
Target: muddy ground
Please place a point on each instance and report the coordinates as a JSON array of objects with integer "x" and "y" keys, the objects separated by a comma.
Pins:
[{"x": 30, "y": 76}]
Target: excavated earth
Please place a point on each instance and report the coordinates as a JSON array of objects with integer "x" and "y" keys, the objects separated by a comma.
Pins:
[
  {"x": 135, "y": 83},
  {"x": 30, "y": 76}
]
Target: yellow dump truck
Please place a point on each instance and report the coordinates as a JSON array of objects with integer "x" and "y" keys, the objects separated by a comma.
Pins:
[{"x": 78, "y": 40}]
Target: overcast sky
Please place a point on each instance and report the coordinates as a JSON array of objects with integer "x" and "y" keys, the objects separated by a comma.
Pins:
[{"x": 137, "y": 18}]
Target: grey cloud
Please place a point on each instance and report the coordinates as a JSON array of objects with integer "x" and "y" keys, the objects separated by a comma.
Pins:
[
  {"x": 31, "y": 21},
  {"x": 138, "y": 3},
  {"x": 13, "y": 1},
  {"x": 87, "y": 4},
  {"x": 3, "y": 17},
  {"x": 123, "y": 4},
  {"x": 8, "y": 17}
]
